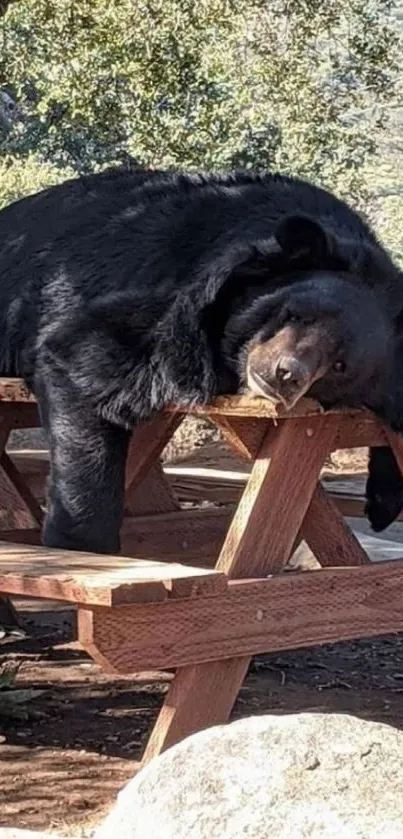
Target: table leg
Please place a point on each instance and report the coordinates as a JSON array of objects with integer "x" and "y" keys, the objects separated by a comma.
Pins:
[
  {"x": 327, "y": 534},
  {"x": 147, "y": 489},
  {"x": 260, "y": 538},
  {"x": 244, "y": 436},
  {"x": 18, "y": 510}
]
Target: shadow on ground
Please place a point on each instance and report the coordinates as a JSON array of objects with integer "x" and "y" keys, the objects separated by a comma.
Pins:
[{"x": 85, "y": 735}]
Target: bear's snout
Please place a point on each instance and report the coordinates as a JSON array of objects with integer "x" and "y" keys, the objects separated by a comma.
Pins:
[
  {"x": 276, "y": 370},
  {"x": 285, "y": 380}
]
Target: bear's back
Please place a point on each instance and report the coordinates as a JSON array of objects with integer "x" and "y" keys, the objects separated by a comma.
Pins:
[{"x": 149, "y": 232}]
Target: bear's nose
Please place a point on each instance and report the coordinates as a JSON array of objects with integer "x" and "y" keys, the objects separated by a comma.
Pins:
[{"x": 289, "y": 371}]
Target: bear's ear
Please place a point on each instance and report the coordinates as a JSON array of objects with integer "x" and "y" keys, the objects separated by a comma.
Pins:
[{"x": 302, "y": 237}]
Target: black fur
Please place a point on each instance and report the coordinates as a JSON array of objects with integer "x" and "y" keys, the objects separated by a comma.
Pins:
[{"x": 119, "y": 293}]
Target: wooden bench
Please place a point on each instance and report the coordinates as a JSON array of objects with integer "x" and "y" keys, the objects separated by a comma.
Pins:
[
  {"x": 97, "y": 580},
  {"x": 137, "y": 614}
]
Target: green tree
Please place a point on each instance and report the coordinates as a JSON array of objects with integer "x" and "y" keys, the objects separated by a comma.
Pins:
[{"x": 218, "y": 83}]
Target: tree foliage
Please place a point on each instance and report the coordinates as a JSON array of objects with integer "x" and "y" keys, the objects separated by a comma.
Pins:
[{"x": 214, "y": 84}]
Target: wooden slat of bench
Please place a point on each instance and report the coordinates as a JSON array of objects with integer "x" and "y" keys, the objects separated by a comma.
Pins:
[
  {"x": 96, "y": 580},
  {"x": 195, "y": 484}
]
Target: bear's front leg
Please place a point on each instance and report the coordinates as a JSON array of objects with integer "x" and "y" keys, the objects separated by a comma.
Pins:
[
  {"x": 384, "y": 488},
  {"x": 86, "y": 487}
]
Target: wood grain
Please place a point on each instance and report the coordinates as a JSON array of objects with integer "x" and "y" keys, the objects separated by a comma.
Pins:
[
  {"x": 26, "y": 536},
  {"x": 217, "y": 693},
  {"x": 195, "y": 484},
  {"x": 327, "y": 534},
  {"x": 15, "y": 390},
  {"x": 284, "y": 612},
  {"x": 262, "y": 533},
  {"x": 154, "y": 494},
  {"x": 359, "y": 430},
  {"x": 244, "y": 436},
  {"x": 24, "y": 492},
  {"x": 252, "y": 616},
  {"x": 192, "y": 537},
  {"x": 178, "y": 534},
  {"x": 99, "y": 580},
  {"x": 147, "y": 443},
  {"x": 276, "y": 498},
  {"x": 255, "y": 407}
]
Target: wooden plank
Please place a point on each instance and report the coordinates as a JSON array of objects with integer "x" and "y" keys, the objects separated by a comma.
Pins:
[
  {"x": 14, "y": 512},
  {"x": 184, "y": 712},
  {"x": 356, "y": 430},
  {"x": 352, "y": 506},
  {"x": 147, "y": 443},
  {"x": 190, "y": 485},
  {"x": 8, "y": 613},
  {"x": 254, "y": 616},
  {"x": 327, "y": 534},
  {"x": 15, "y": 390},
  {"x": 194, "y": 484},
  {"x": 192, "y": 537},
  {"x": 26, "y": 536},
  {"x": 257, "y": 407},
  {"x": 33, "y": 466},
  {"x": 177, "y": 534},
  {"x": 20, "y": 414},
  {"x": 99, "y": 580},
  {"x": 21, "y": 487},
  {"x": 147, "y": 489},
  {"x": 276, "y": 498},
  {"x": 359, "y": 430},
  {"x": 259, "y": 541},
  {"x": 244, "y": 436},
  {"x": 155, "y": 494}
]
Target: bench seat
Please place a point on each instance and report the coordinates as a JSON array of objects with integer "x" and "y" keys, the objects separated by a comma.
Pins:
[{"x": 98, "y": 580}]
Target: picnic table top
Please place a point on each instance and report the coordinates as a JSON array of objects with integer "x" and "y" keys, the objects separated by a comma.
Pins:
[{"x": 15, "y": 390}]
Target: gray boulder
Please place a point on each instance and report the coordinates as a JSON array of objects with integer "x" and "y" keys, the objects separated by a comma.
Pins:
[{"x": 293, "y": 777}]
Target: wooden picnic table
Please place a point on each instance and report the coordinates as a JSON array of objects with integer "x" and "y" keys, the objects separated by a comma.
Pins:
[{"x": 202, "y": 590}]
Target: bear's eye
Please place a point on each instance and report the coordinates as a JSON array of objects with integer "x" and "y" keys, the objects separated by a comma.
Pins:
[
  {"x": 339, "y": 366},
  {"x": 291, "y": 318}
]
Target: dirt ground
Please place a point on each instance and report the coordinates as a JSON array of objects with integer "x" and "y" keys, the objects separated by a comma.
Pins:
[{"x": 62, "y": 766}]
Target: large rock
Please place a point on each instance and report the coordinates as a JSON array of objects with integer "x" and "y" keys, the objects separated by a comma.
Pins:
[{"x": 292, "y": 777}]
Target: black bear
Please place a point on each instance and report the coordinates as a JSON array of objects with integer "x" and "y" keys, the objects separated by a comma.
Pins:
[{"x": 124, "y": 291}]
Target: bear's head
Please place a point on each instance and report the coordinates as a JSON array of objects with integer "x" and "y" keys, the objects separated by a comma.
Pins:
[{"x": 320, "y": 329}]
